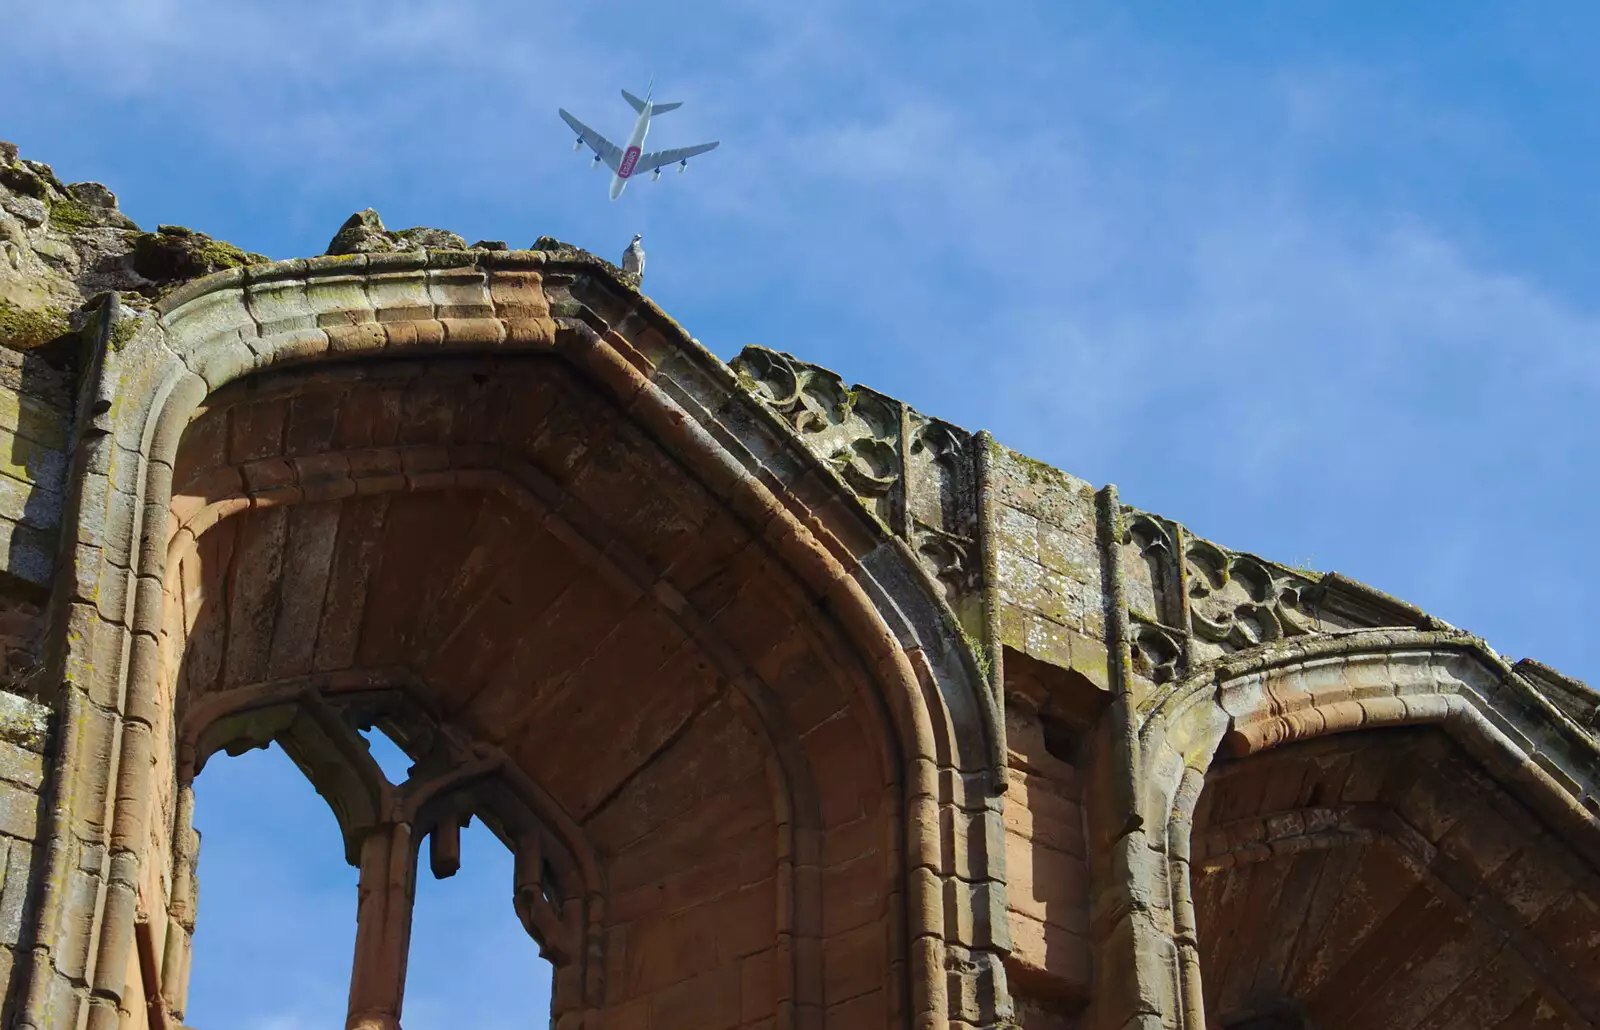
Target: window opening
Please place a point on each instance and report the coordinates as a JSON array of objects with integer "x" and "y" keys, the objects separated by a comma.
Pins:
[
  {"x": 392, "y": 760},
  {"x": 471, "y": 962},
  {"x": 275, "y": 893}
]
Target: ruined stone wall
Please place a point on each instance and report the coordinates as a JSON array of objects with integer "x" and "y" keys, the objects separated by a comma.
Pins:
[
  {"x": 24, "y": 730},
  {"x": 1123, "y": 746}
]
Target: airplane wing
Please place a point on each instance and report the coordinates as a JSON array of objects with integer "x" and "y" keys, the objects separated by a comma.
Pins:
[
  {"x": 661, "y": 158},
  {"x": 599, "y": 144}
]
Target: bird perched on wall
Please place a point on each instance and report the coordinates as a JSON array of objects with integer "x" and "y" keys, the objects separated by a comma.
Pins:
[{"x": 633, "y": 257}]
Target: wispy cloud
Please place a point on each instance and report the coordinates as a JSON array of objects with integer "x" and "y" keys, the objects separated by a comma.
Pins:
[
  {"x": 1260, "y": 288},
  {"x": 1223, "y": 285}
]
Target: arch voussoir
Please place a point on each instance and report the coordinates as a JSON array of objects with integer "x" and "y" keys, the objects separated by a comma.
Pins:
[
  {"x": 1254, "y": 703},
  {"x": 316, "y": 318}
]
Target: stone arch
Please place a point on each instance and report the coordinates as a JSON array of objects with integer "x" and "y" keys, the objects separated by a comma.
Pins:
[
  {"x": 1369, "y": 685},
  {"x": 864, "y": 610}
]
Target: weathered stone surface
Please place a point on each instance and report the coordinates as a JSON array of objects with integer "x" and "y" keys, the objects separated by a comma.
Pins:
[
  {"x": 363, "y": 233},
  {"x": 796, "y": 706}
]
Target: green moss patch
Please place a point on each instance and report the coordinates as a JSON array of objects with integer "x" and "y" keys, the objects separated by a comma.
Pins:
[
  {"x": 122, "y": 331},
  {"x": 25, "y": 329},
  {"x": 68, "y": 214},
  {"x": 175, "y": 254}
]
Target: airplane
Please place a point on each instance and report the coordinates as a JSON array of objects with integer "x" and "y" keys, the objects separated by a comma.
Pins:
[{"x": 628, "y": 162}]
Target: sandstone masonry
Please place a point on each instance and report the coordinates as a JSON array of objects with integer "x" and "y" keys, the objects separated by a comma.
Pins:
[{"x": 797, "y": 707}]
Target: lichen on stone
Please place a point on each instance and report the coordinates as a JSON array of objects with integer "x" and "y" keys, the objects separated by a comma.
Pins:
[
  {"x": 122, "y": 331},
  {"x": 175, "y": 254},
  {"x": 363, "y": 233},
  {"x": 551, "y": 245},
  {"x": 28, "y": 328},
  {"x": 68, "y": 214}
]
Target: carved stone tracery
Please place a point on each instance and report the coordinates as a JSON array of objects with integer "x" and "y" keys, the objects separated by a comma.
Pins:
[
  {"x": 914, "y": 473},
  {"x": 1238, "y": 601},
  {"x": 1214, "y": 602},
  {"x": 452, "y": 780}
]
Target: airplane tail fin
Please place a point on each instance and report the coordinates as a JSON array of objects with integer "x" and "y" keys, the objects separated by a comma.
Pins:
[{"x": 638, "y": 105}]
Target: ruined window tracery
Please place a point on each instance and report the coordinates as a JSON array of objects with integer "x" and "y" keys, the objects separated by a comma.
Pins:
[
  {"x": 450, "y": 782},
  {"x": 273, "y": 887}
]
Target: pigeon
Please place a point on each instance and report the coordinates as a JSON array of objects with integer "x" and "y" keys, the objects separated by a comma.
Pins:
[{"x": 633, "y": 257}]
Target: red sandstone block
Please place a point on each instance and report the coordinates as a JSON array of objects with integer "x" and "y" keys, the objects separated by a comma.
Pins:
[
  {"x": 864, "y": 836},
  {"x": 854, "y": 963},
  {"x": 758, "y": 987},
  {"x": 632, "y": 1015},
  {"x": 1046, "y": 884},
  {"x": 864, "y": 1012},
  {"x": 706, "y": 1002},
  {"x": 854, "y": 894},
  {"x": 204, "y": 445},
  {"x": 256, "y": 430},
  {"x": 843, "y": 764}
]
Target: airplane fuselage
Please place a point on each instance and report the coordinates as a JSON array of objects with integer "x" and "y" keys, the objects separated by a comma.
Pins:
[
  {"x": 631, "y": 152},
  {"x": 629, "y": 159}
]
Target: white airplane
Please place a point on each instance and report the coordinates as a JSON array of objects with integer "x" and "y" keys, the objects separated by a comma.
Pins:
[{"x": 627, "y": 163}]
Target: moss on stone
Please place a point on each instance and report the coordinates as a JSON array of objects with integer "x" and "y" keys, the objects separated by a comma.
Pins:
[
  {"x": 67, "y": 214},
  {"x": 19, "y": 178},
  {"x": 175, "y": 254},
  {"x": 226, "y": 255},
  {"x": 122, "y": 331},
  {"x": 980, "y": 655},
  {"x": 25, "y": 329},
  {"x": 1038, "y": 471}
]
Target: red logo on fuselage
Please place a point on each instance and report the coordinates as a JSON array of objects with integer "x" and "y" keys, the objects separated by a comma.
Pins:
[{"x": 629, "y": 159}]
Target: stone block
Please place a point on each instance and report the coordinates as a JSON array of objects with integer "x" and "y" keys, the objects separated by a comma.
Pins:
[
  {"x": 35, "y": 505},
  {"x": 709, "y": 1001},
  {"x": 29, "y": 461},
  {"x": 854, "y": 963},
  {"x": 21, "y": 767},
  {"x": 1048, "y": 885},
  {"x": 23, "y": 722},
  {"x": 31, "y": 418},
  {"x": 1048, "y": 641},
  {"x": 220, "y": 312},
  {"x": 758, "y": 987},
  {"x": 280, "y": 306},
  {"x": 1071, "y": 554},
  {"x": 1050, "y": 960},
  {"x": 1016, "y": 532},
  {"x": 854, "y": 894},
  {"x": 399, "y": 296},
  {"x": 18, "y": 859},
  {"x": 863, "y": 1012},
  {"x": 1034, "y": 813},
  {"x": 1013, "y": 625}
]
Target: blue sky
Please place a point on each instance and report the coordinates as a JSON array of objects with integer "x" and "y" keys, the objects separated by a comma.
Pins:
[{"x": 1315, "y": 279}]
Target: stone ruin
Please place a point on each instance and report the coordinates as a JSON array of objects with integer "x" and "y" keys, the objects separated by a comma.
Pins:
[{"x": 797, "y": 707}]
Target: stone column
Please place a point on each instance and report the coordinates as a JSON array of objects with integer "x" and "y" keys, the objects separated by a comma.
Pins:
[{"x": 383, "y": 927}]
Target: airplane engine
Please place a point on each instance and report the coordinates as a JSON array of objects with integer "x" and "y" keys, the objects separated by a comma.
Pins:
[
  {"x": 596, "y": 162},
  {"x": 578, "y": 145},
  {"x": 655, "y": 175},
  {"x": 683, "y": 166}
]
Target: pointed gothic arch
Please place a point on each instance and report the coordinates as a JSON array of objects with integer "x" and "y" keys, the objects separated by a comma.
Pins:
[
  {"x": 833, "y": 644},
  {"x": 1363, "y": 687}
]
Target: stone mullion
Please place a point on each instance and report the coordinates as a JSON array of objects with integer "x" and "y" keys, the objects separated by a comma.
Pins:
[
  {"x": 383, "y": 927},
  {"x": 1137, "y": 980},
  {"x": 183, "y": 907},
  {"x": 903, "y": 522}
]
